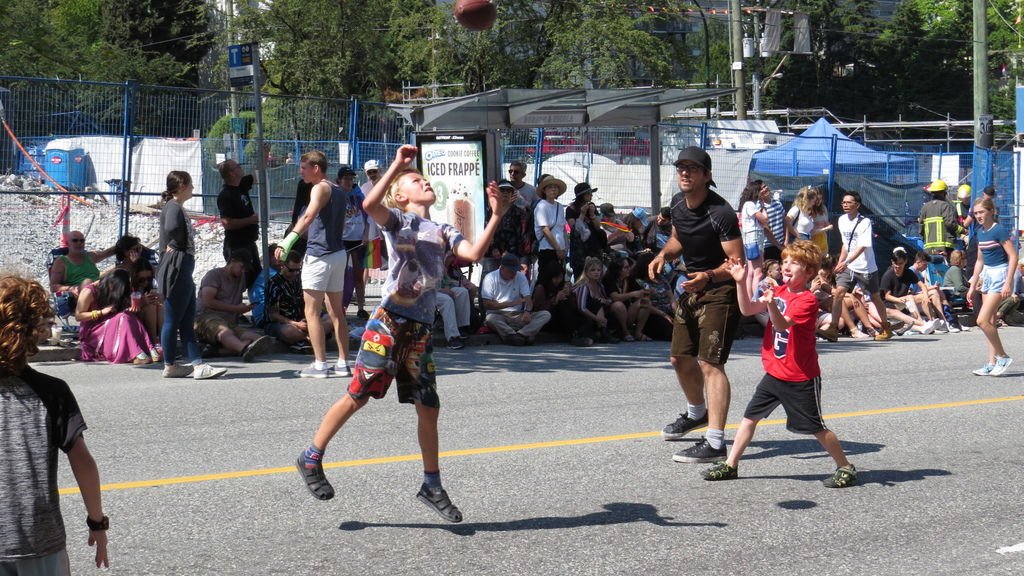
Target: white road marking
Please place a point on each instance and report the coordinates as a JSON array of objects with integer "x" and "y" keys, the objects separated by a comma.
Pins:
[{"x": 1011, "y": 549}]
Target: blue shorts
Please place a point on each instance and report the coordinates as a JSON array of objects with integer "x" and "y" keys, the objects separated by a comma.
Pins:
[
  {"x": 752, "y": 251},
  {"x": 993, "y": 278}
]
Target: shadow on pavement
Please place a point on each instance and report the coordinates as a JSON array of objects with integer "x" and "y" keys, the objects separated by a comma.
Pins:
[
  {"x": 805, "y": 449},
  {"x": 614, "y": 513},
  {"x": 865, "y": 477}
]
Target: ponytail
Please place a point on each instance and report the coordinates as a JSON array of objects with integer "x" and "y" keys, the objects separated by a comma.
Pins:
[{"x": 175, "y": 180}]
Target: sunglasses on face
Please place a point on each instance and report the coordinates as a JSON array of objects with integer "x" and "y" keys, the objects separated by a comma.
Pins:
[
  {"x": 291, "y": 270},
  {"x": 689, "y": 168},
  {"x": 372, "y": 172},
  {"x": 78, "y": 240},
  {"x": 515, "y": 172}
]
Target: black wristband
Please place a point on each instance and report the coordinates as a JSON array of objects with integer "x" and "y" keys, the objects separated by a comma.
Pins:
[{"x": 100, "y": 526}]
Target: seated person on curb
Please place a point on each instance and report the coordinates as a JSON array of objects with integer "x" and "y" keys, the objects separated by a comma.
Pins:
[
  {"x": 78, "y": 267},
  {"x": 509, "y": 305},
  {"x": 554, "y": 295},
  {"x": 895, "y": 289},
  {"x": 931, "y": 296},
  {"x": 284, "y": 314},
  {"x": 790, "y": 359},
  {"x": 258, "y": 291},
  {"x": 220, "y": 305},
  {"x": 631, "y": 302},
  {"x": 1009, "y": 309},
  {"x": 455, "y": 297}
]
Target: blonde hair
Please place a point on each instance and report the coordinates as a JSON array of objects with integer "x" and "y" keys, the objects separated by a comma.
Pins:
[
  {"x": 588, "y": 264},
  {"x": 957, "y": 258},
  {"x": 389, "y": 196},
  {"x": 805, "y": 201}
]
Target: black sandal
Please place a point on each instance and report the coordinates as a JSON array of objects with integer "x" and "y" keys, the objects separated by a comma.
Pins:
[
  {"x": 439, "y": 502},
  {"x": 315, "y": 479}
]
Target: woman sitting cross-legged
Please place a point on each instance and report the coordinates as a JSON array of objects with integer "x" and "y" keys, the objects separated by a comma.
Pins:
[{"x": 110, "y": 326}]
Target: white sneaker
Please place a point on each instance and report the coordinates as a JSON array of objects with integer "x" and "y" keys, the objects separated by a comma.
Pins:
[
  {"x": 206, "y": 372},
  {"x": 342, "y": 370},
  {"x": 1002, "y": 363},
  {"x": 177, "y": 371},
  {"x": 929, "y": 327},
  {"x": 953, "y": 328},
  {"x": 941, "y": 327}
]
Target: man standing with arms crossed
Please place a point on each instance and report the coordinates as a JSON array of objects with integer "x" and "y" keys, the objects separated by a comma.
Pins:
[
  {"x": 706, "y": 233},
  {"x": 856, "y": 265},
  {"x": 323, "y": 269}
]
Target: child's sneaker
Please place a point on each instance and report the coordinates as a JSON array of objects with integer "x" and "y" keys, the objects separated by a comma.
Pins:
[
  {"x": 720, "y": 471},
  {"x": 207, "y": 372},
  {"x": 842, "y": 478},
  {"x": 315, "y": 478},
  {"x": 984, "y": 370},
  {"x": 1002, "y": 363},
  {"x": 341, "y": 370},
  {"x": 437, "y": 500}
]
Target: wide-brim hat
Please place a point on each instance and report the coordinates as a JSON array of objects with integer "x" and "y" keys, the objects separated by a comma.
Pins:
[
  {"x": 583, "y": 188},
  {"x": 552, "y": 181}
]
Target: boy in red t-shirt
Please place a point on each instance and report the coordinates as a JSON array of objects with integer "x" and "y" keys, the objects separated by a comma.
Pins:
[{"x": 792, "y": 376}]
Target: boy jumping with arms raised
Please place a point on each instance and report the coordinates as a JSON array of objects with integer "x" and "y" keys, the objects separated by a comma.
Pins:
[
  {"x": 396, "y": 342},
  {"x": 792, "y": 376}
]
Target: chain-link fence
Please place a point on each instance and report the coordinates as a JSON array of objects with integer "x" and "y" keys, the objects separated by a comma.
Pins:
[{"x": 110, "y": 147}]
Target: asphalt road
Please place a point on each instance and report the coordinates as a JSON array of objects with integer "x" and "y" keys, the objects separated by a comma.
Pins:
[{"x": 559, "y": 469}]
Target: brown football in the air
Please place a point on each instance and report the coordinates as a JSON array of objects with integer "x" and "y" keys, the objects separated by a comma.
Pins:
[{"x": 476, "y": 15}]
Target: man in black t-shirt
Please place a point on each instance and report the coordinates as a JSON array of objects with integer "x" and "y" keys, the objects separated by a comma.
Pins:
[
  {"x": 241, "y": 223},
  {"x": 705, "y": 232},
  {"x": 899, "y": 301}
]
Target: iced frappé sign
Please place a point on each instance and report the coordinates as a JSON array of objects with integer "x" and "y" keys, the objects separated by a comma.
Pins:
[{"x": 454, "y": 165}]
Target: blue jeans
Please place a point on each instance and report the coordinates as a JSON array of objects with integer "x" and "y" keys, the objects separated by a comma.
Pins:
[{"x": 180, "y": 317}]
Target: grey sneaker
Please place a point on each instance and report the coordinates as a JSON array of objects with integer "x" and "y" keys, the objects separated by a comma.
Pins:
[
  {"x": 701, "y": 452},
  {"x": 207, "y": 372},
  {"x": 312, "y": 371},
  {"x": 683, "y": 425},
  {"x": 437, "y": 500},
  {"x": 342, "y": 370},
  {"x": 177, "y": 371}
]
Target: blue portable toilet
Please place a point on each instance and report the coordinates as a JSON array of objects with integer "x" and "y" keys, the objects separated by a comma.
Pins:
[{"x": 67, "y": 167}]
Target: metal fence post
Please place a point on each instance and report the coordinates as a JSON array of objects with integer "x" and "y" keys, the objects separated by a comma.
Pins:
[
  {"x": 539, "y": 160},
  {"x": 354, "y": 157},
  {"x": 704, "y": 135},
  {"x": 127, "y": 127},
  {"x": 832, "y": 170}
]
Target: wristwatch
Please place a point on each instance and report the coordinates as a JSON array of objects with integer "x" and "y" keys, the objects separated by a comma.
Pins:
[{"x": 100, "y": 526}]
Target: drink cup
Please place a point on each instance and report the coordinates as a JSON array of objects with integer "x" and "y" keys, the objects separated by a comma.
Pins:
[{"x": 136, "y": 299}]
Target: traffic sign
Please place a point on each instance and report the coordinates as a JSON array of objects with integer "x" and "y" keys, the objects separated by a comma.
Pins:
[{"x": 240, "y": 64}]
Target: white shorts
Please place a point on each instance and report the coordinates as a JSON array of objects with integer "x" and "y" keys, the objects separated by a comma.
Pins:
[
  {"x": 324, "y": 273},
  {"x": 993, "y": 278}
]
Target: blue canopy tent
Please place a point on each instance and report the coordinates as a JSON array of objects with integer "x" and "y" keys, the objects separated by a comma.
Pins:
[{"x": 823, "y": 150}]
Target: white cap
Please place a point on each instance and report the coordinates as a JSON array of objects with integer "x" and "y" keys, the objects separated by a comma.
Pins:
[{"x": 371, "y": 165}]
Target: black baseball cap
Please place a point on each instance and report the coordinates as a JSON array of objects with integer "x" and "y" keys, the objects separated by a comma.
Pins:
[
  {"x": 583, "y": 188},
  {"x": 696, "y": 155},
  {"x": 345, "y": 170}
]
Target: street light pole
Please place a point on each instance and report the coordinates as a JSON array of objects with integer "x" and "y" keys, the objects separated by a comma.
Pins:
[
  {"x": 736, "y": 26},
  {"x": 707, "y": 57}
]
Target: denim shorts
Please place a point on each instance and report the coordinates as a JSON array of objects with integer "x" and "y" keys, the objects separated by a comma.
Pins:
[
  {"x": 993, "y": 278},
  {"x": 752, "y": 251}
]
